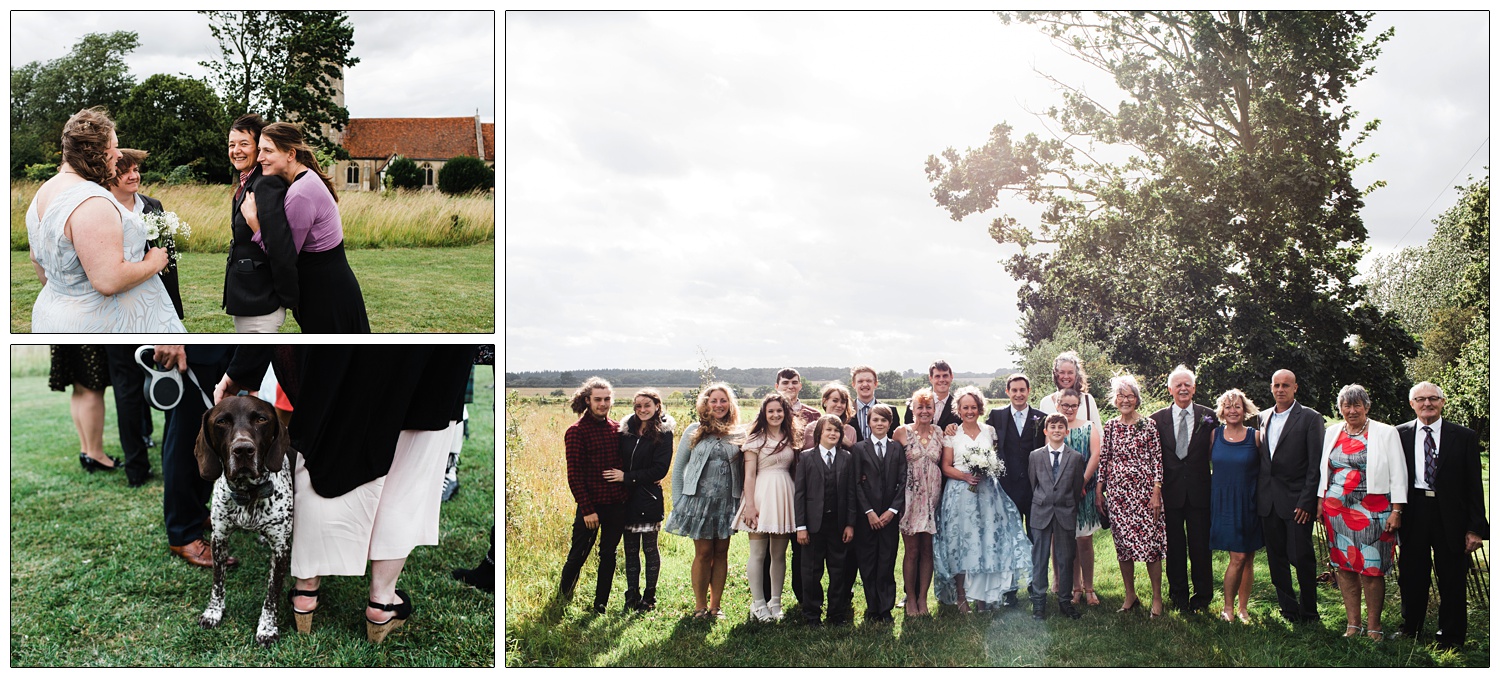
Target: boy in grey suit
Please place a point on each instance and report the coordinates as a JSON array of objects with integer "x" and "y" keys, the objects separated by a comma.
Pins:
[{"x": 1056, "y": 486}]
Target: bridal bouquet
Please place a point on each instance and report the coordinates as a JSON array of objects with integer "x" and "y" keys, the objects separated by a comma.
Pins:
[
  {"x": 162, "y": 230},
  {"x": 983, "y": 462}
]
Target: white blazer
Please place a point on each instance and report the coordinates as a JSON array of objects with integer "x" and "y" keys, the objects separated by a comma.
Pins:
[{"x": 1385, "y": 464}]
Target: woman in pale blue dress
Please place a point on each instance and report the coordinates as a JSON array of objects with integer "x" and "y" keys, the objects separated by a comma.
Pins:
[
  {"x": 980, "y": 550},
  {"x": 97, "y": 274}
]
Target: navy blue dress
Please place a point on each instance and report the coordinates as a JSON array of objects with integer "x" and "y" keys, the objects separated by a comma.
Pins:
[{"x": 1236, "y": 470}]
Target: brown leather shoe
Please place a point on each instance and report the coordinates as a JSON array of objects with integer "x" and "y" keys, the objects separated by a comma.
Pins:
[{"x": 200, "y": 553}]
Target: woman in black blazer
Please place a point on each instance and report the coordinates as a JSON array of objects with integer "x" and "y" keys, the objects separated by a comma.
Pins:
[
  {"x": 645, "y": 456},
  {"x": 259, "y": 284}
]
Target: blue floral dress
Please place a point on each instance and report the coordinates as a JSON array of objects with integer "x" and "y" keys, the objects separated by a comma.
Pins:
[
  {"x": 1081, "y": 439},
  {"x": 979, "y": 534}
]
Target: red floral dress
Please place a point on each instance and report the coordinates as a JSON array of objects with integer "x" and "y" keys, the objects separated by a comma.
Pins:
[
  {"x": 1129, "y": 468},
  {"x": 1355, "y": 520}
]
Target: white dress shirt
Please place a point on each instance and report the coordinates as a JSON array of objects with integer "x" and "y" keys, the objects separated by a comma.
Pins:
[
  {"x": 1420, "y": 467},
  {"x": 1274, "y": 426}
]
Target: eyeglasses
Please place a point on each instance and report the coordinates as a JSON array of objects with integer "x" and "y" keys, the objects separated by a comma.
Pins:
[
  {"x": 1427, "y": 399},
  {"x": 1065, "y": 406}
]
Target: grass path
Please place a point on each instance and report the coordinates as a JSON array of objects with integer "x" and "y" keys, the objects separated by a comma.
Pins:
[
  {"x": 538, "y": 518},
  {"x": 92, "y": 583},
  {"x": 438, "y": 289}
]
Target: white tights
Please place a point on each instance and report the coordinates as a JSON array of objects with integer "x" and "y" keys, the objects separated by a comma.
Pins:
[{"x": 776, "y": 545}]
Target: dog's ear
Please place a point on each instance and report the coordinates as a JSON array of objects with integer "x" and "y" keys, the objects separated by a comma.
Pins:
[
  {"x": 279, "y": 452},
  {"x": 207, "y": 450}
]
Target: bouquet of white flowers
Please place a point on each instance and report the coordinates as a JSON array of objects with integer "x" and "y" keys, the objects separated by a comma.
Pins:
[
  {"x": 983, "y": 462},
  {"x": 162, "y": 230}
]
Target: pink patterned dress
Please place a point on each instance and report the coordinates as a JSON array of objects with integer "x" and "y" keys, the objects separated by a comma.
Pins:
[
  {"x": 924, "y": 480},
  {"x": 1355, "y": 519},
  {"x": 1129, "y": 468}
]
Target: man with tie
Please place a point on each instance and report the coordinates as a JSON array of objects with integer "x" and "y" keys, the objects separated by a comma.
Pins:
[
  {"x": 1019, "y": 427},
  {"x": 823, "y": 503},
  {"x": 1287, "y": 496},
  {"x": 880, "y": 497},
  {"x": 1444, "y": 520},
  {"x": 940, "y": 377},
  {"x": 865, "y": 383},
  {"x": 1187, "y": 438},
  {"x": 1056, "y": 472}
]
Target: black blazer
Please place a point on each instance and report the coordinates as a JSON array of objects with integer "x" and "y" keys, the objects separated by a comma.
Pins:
[
  {"x": 854, "y": 418},
  {"x": 807, "y": 494},
  {"x": 947, "y": 417},
  {"x": 169, "y": 276},
  {"x": 1016, "y": 451},
  {"x": 257, "y": 282},
  {"x": 879, "y": 485},
  {"x": 1186, "y": 482},
  {"x": 1459, "y": 487},
  {"x": 1290, "y": 481}
]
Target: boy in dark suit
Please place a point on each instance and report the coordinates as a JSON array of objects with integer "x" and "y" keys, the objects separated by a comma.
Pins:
[
  {"x": 823, "y": 502},
  {"x": 1056, "y": 486},
  {"x": 880, "y": 496}
]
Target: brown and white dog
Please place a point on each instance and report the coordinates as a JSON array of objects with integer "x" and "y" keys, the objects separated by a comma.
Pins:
[{"x": 245, "y": 450}]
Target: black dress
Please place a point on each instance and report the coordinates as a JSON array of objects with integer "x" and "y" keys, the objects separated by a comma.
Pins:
[
  {"x": 71, "y": 363},
  {"x": 331, "y": 301}
]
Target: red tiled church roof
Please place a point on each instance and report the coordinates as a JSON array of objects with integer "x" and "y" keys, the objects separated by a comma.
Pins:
[{"x": 416, "y": 138}]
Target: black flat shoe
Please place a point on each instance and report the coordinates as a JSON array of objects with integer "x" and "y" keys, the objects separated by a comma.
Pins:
[
  {"x": 377, "y": 631},
  {"x": 90, "y": 465}
]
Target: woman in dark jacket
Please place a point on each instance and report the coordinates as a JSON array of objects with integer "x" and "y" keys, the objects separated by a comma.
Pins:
[
  {"x": 260, "y": 279},
  {"x": 645, "y": 456}
]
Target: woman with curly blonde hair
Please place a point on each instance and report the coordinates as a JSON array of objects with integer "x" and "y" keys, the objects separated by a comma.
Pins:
[{"x": 707, "y": 479}]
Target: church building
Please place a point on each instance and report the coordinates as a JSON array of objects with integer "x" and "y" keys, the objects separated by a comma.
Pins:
[{"x": 373, "y": 143}]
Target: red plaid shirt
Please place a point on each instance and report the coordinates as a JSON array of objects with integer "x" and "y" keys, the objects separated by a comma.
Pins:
[{"x": 592, "y": 446}]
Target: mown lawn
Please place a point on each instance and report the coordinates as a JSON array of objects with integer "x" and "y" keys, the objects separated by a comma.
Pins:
[
  {"x": 435, "y": 289},
  {"x": 538, "y": 519},
  {"x": 92, "y": 583}
]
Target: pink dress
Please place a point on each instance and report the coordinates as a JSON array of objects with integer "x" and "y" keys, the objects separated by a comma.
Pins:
[
  {"x": 773, "y": 488},
  {"x": 1129, "y": 468},
  {"x": 924, "y": 481}
]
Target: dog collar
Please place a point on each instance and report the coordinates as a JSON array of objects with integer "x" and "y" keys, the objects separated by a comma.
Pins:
[{"x": 256, "y": 492}]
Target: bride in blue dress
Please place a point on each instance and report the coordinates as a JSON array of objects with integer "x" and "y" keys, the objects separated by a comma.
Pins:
[
  {"x": 97, "y": 273},
  {"x": 980, "y": 550}
]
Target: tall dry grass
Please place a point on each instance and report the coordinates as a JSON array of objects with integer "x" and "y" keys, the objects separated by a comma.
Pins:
[{"x": 371, "y": 220}]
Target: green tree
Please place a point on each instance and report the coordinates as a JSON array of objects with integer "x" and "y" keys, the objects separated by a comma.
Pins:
[
  {"x": 1230, "y": 234},
  {"x": 45, "y": 95},
  {"x": 1466, "y": 380},
  {"x": 178, "y": 120},
  {"x": 464, "y": 174},
  {"x": 284, "y": 65},
  {"x": 404, "y": 173}
]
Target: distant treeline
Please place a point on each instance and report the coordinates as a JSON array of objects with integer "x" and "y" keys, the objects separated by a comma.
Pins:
[{"x": 749, "y": 376}]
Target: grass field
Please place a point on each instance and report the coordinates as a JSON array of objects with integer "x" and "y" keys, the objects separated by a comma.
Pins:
[
  {"x": 538, "y": 518},
  {"x": 431, "y": 289},
  {"x": 92, "y": 583},
  {"x": 370, "y": 220}
]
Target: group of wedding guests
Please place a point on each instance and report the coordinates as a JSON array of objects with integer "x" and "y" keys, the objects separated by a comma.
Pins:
[
  {"x": 102, "y": 272},
  {"x": 984, "y": 500}
]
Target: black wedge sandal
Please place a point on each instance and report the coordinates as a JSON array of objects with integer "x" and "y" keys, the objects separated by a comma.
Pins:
[
  {"x": 303, "y": 619},
  {"x": 377, "y": 631}
]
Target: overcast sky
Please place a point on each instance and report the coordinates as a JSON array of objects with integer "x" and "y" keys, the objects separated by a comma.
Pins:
[
  {"x": 752, "y": 184},
  {"x": 411, "y": 64}
]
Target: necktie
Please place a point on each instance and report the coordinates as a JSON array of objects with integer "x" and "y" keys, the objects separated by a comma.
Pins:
[
  {"x": 828, "y": 458},
  {"x": 1055, "y": 459},
  {"x": 1430, "y": 468},
  {"x": 1184, "y": 432},
  {"x": 1020, "y": 420},
  {"x": 864, "y": 420},
  {"x": 880, "y": 451}
]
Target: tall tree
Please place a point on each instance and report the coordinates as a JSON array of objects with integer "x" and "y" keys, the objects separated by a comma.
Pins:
[
  {"x": 284, "y": 66},
  {"x": 45, "y": 95},
  {"x": 179, "y": 121},
  {"x": 1228, "y": 239}
]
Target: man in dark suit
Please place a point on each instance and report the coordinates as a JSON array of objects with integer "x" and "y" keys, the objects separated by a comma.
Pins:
[
  {"x": 1019, "y": 428},
  {"x": 1444, "y": 520},
  {"x": 865, "y": 383},
  {"x": 880, "y": 497},
  {"x": 823, "y": 504},
  {"x": 1287, "y": 496},
  {"x": 185, "y": 494},
  {"x": 1187, "y": 438},
  {"x": 940, "y": 378},
  {"x": 1056, "y": 472}
]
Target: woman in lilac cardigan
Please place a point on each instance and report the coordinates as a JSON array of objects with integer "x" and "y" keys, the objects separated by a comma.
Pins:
[{"x": 329, "y": 299}]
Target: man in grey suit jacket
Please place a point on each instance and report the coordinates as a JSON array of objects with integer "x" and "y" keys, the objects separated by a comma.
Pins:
[
  {"x": 823, "y": 503},
  {"x": 1056, "y": 486},
  {"x": 1287, "y": 496},
  {"x": 879, "y": 497}
]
